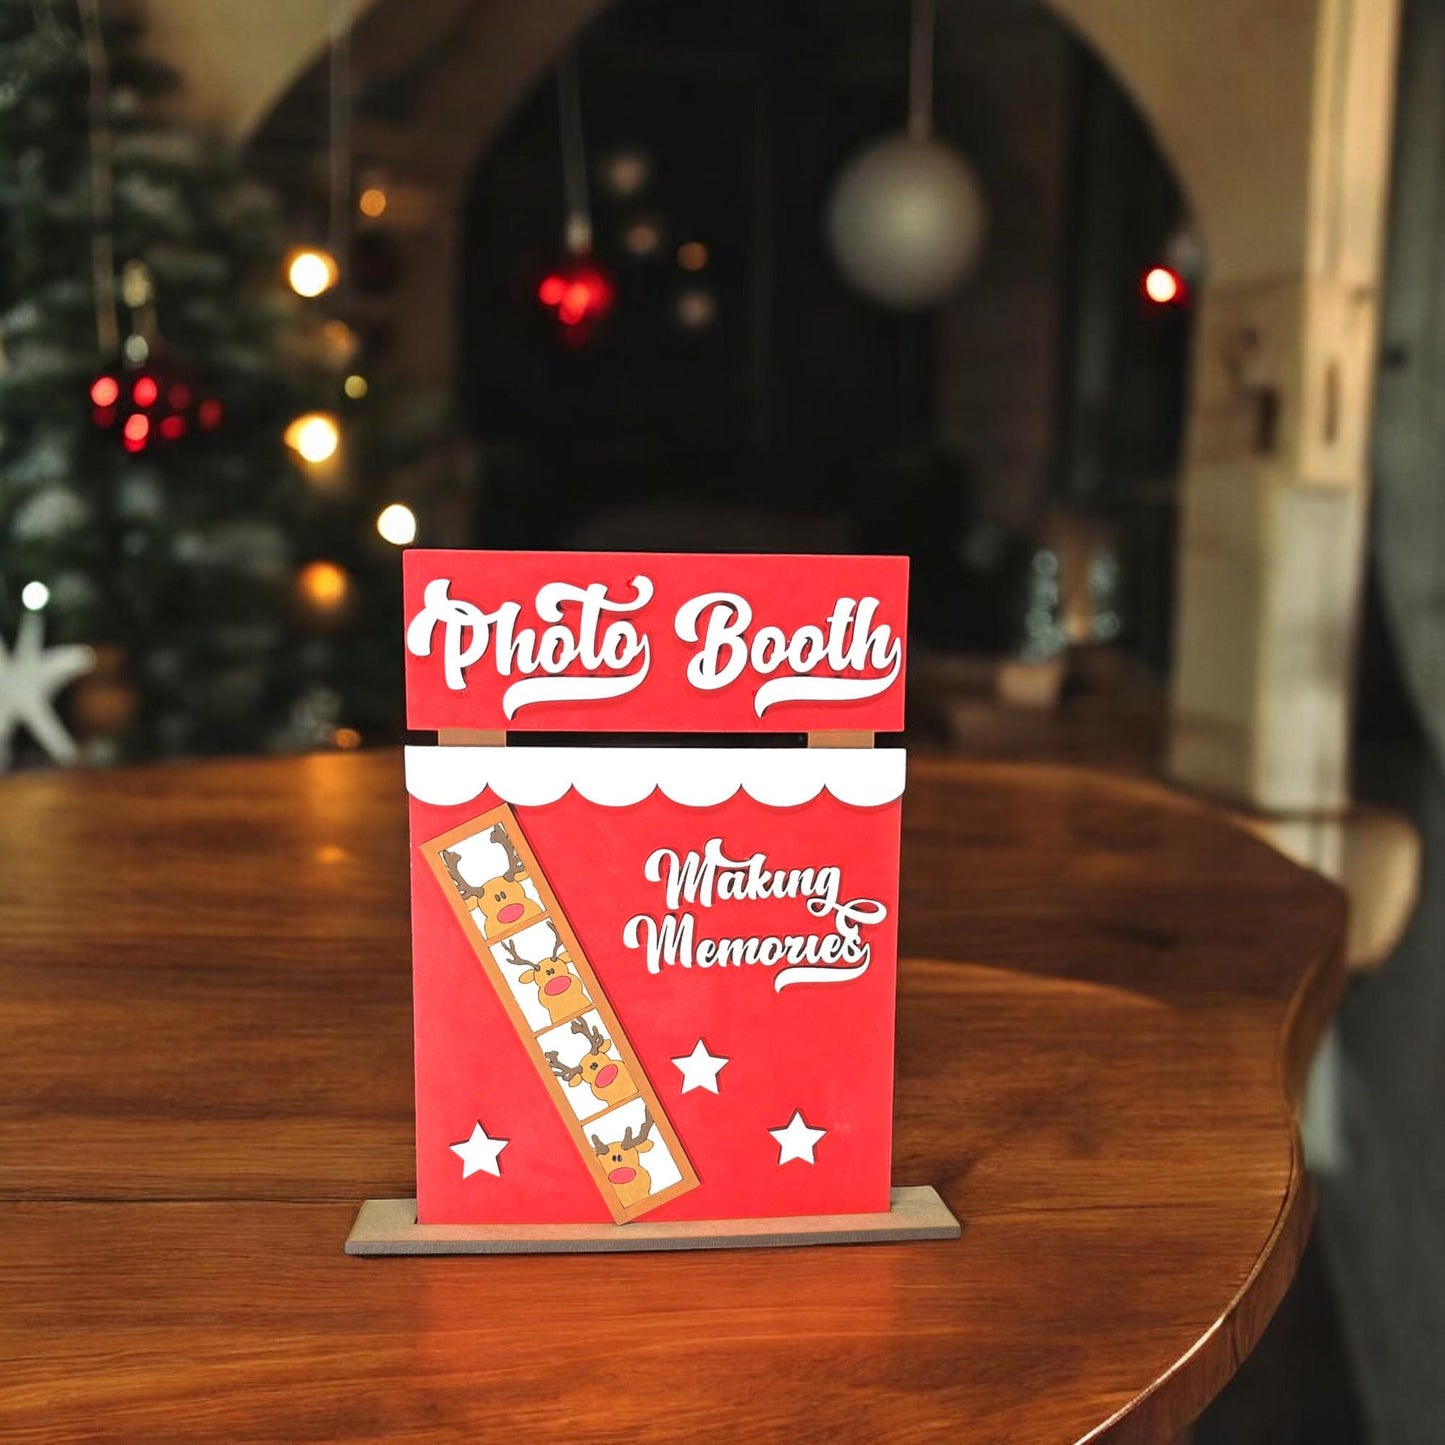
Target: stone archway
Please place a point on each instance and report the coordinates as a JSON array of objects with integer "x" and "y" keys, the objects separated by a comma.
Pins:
[{"x": 1277, "y": 120}]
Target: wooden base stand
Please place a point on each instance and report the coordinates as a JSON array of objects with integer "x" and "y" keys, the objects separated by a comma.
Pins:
[{"x": 388, "y": 1226}]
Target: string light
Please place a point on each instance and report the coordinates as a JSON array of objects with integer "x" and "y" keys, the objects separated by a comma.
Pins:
[
  {"x": 1162, "y": 286},
  {"x": 397, "y": 524},
  {"x": 341, "y": 342},
  {"x": 692, "y": 256},
  {"x": 696, "y": 308},
  {"x": 346, "y": 738},
  {"x": 625, "y": 173},
  {"x": 314, "y": 437},
  {"x": 135, "y": 434},
  {"x": 324, "y": 586},
  {"x": 105, "y": 391},
  {"x": 34, "y": 596},
  {"x": 643, "y": 237},
  {"x": 355, "y": 386},
  {"x": 372, "y": 202},
  {"x": 312, "y": 272}
]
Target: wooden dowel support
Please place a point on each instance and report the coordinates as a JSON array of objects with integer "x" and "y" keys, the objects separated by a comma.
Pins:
[
  {"x": 840, "y": 738},
  {"x": 471, "y": 738}
]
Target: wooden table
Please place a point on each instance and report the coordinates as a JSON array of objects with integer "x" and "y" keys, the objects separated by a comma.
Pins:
[{"x": 1108, "y": 1000}]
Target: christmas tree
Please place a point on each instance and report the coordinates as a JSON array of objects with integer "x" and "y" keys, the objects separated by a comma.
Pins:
[{"x": 150, "y": 366}]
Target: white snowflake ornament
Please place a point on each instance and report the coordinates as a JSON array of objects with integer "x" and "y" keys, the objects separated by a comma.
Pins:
[{"x": 31, "y": 677}]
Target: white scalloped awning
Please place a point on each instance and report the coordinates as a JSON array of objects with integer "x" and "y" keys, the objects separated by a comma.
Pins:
[{"x": 618, "y": 777}]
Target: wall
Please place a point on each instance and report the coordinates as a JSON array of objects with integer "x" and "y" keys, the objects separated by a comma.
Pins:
[{"x": 1276, "y": 118}]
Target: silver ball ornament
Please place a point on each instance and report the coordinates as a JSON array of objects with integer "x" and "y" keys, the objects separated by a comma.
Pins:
[{"x": 905, "y": 222}]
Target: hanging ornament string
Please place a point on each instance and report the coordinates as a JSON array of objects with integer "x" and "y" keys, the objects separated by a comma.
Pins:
[
  {"x": 338, "y": 230},
  {"x": 102, "y": 244},
  {"x": 920, "y": 71},
  {"x": 905, "y": 219},
  {"x": 577, "y": 224}
]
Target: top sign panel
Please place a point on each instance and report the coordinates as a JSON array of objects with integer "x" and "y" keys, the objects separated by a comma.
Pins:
[{"x": 654, "y": 642}]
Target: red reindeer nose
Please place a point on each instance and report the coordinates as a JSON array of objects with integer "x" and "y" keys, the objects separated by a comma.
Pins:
[
  {"x": 557, "y": 985},
  {"x": 511, "y": 913},
  {"x": 621, "y": 1176},
  {"x": 605, "y": 1075}
]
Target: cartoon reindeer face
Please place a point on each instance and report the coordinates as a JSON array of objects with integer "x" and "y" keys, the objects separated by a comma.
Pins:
[
  {"x": 605, "y": 1076},
  {"x": 620, "y": 1163},
  {"x": 502, "y": 901},
  {"x": 559, "y": 990}
]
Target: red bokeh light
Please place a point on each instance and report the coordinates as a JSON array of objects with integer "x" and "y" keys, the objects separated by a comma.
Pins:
[
  {"x": 179, "y": 397},
  {"x": 105, "y": 391},
  {"x": 576, "y": 302},
  {"x": 135, "y": 434},
  {"x": 578, "y": 296},
  {"x": 209, "y": 414},
  {"x": 145, "y": 391},
  {"x": 1162, "y": 286},
  {"x": 172, "y": 428}
]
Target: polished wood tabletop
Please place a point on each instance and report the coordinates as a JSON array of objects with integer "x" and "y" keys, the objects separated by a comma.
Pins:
[{"x": 1107, "y": 1001}]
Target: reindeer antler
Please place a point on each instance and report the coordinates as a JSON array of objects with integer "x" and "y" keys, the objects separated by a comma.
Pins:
[
  {"x": 499, "y": 835},
  {"x": 453, "y": 863},
  {"x": 594, "y": 1036},
  {"x": 559, "y": 946},
  {"x": 563, "y": 1071},
  {"x": 514, "y": 957},
  {"x": 628, "y": 1142},
  {"x": 599, "y": 1146}
]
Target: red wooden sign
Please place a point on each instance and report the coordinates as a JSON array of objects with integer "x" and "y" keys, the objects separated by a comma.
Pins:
[
  {"x": 653, "y": 981},
  {"x": 646, "y": 642}
]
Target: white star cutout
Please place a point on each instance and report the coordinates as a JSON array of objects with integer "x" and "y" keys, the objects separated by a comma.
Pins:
[
  {"x": 30, "y": 677},
  {"x": 796, "y": 1140},
  {"x": 700, "y": 1068},
  {"x": 479, "y": 1152}
]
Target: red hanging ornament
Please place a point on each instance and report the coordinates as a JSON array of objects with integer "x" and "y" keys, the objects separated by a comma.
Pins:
[
  {"x": 579, "y": 295},
  {"x": 150, "y": 404}
]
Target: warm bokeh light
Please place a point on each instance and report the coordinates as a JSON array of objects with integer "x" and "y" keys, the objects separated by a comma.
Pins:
[
  {"x": 692, "y": 256},
  {"x": 324, "y": 586},
  {"x": 105, "y": 391},
  {"x": 34, "y": 596},
  {"x": 173, "y": 427},
  {"x": 346, "y": 738},
  {"x": 397, "y": 524},
  {"x": 625, "y": 173},
  {"x": 145, "y": 391},
  {"x": 372, "y": 202},
  {"x": 314, "y": 437},
  {"x": 551, "y": 291},
  {"x": 311, "y": 272},
  {"x": 355, "y": 386},
  {"x": 136, "y": 432},
  {"x": 643, "y": 237},
  {"x": 342, "y": 343},
  {"x": 136, "y": 349},
  {"x": 696, "y": 308},
  {"x": 1162, "y": 286},
  {"x": 210, "y": 413}
]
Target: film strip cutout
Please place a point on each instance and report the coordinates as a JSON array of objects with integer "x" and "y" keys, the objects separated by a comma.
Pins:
[{"x": 532, "y": 958}]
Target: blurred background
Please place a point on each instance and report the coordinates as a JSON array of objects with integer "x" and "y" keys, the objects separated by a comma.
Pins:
[{"x": 1120, "y": 320}]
